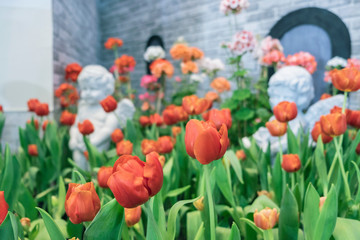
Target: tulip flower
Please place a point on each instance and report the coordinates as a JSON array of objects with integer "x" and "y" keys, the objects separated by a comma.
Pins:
[
  {"x": 325, "y": 96},
  {"x": 25, "y": 222},
  {"x": 109, "y": 104},
  {"x": 266, "y": 218},
  {"x": 266, "y": 193},
  {"x": 144, "y": 121},
  {"x": 156, "y": 119},
  {"x": 218, "y": 117},
  {"x": 354, "y": 119},
  {"x": 86, "y": 154},
  {"x": 346, "y": 79},
  {"x": 204, "y": 142},
  {"x": 194, "y": 105},
  {"x": 148, "y": 146},
  {"x": 81, "y": 202},
  {"x": 276, "y": 128},
  {"x": 220, "y": 84},
  {"x": 240, "y": 154},
  {"x": 285, "y": 111},
  {"x": 173, "y": 114},
  {"x": 117, "y": 135},
  {"x": 103, "y": 176},
  {"x": 32, "y": 150},
  {"x": 337, "y": 109},
  {"x": 199, "y": 204},
  {"x": 175, "y": 131},
  {"x": 44, "y": 125},
  {"x": 132, "y": 215},
  {"x": 291, "y": 163},
  {"x": 317, "y": 131},
  {"x": 133, "y": 181},
  {"x": 86, "y": 127},
  {"x": 72, "y": 71},
  {"x": 333, "y": 124},
  {"x": 4, "y": 207},
  {"x": 164, "y": 144},
  {"x": 321, "y": 202},
  {"x": 42, "y": 109},
  {"x": 67, "y": 118},
  {"x": 32, "y": 103},
  {"x": 212, "y": 96},
  {"x": 124, "y": 147},
  {"x": 35, "y": 121}
]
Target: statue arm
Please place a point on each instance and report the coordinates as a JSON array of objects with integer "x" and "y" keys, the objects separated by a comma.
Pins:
[{"x": 100, "y": 136}]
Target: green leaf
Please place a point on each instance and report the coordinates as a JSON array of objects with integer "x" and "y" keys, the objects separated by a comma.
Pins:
[
  {"x": 244, "y": 114},
  {"x": 234, "y": 161},
  {"x": 51, "y": 227},
  {"x": 194, "y": 225},
  {"x": 107, "y": 224},
  {"x": 346, "y": 229},
  {"x": 9, "y": 228},
  {"x": 77, "y": 176},
  {"x": 260, "y": 203},
  {"x": 61, "y": 199},
  {"x": 223, "y": 183},
  {"x": 176, "y": 192},
  {"x": 277, "y": 178},
  {"x": 320, "y": 163},
  {"x": 288, "y": 220},
  {"x": 357, "y": 197},
  {"x": 293, "y": 146},
  {"x": 235, "y": 233},
  {"x": 252, "y": 225},
  {"x": 241, "y": 94},
  {"x": 311, "y": 211}
]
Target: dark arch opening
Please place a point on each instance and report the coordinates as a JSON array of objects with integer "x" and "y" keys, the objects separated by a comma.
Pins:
[{"x": 154, "y": 40}]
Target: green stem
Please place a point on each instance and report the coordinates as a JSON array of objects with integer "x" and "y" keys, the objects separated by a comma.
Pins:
[
  {"x": 282, "y": 170},
  {"x": 344, "y": 103},
  {"x": 210, "y": 202},
  {"x": 292, "y": 180},
  {"x": 268, "y": 234},
  {"x": 342, "y": 169},
  {"x": 158, "y": 101}
]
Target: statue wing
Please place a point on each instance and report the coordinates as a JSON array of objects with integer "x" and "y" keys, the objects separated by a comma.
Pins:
[{"x": 125, "y": 111}]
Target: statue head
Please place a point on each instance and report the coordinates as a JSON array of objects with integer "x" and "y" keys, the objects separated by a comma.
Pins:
[
  {"x": 95, "y": 83},
  {"x": 293, "y": 84}
]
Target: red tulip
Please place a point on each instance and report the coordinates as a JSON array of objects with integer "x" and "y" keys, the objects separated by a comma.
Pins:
[
  {"x": 103, "y": 176},
  {"x": 32, "y": 103},
  {"x": 42, "y": 109},
  {"x": 173, "y": 114},
  {"x": 285, "y": 111},
  {"x": 156, "y": 119},
  {"x": 318, "y": 131},
  {"x": 276, "y": 128},
  {"x": 86, "y": 127},
  {"x": 124, "y": 147},
  {"x": 354, "y": 119},
  {"x": 164, "y": 144},
  {"x": 67, "y": 118},
  {"x": 117, "y": 135},
  {"x": 148, "y": 146},
  {"x": 32, "y": 150},
  {"x": 109, "y": 104},
  {"x": 35, "y": 121},
  {"x": 218, "y": 117},
  {"x": 337, "y": 109},
  {"x": 346, "y": 79},
  {"x": 194, "y": 105},
  {"x": 133, "y": 181},
  {"x": 4, "y": 207},
  {"x": 333, "y": 124},
  {"x": 82, "y": 202},
  {"x": 72, "y": 71},
  {"x": 132, "y": 215},
  {"x": 291, "y": 162},
  {"x": 144, "y": 121},
  {"x": 204, "y": 142}
]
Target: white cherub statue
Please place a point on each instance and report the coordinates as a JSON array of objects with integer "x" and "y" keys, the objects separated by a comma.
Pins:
[
  {"x": 96, "y": 83},
  {"x": 293, "y": 84}
]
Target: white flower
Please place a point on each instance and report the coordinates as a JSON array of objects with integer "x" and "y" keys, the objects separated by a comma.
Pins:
[
  {"x": 154, "y": 52},
  {"x": 197, "y": 78},
  {"x": 210, "y": 66},
  {"x": 336, "y": 62}
]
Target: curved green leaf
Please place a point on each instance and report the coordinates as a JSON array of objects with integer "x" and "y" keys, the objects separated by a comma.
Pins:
[
  {"x": 51, "y": 227},
  {"x": 289, "y": 218}
]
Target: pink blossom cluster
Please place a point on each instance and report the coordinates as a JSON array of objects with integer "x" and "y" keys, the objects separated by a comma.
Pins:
[
  {"x": 242, "y": 42},
  {"x": 303, "y": 59},
  {"x": 353, "y": 62},
  {"x": 147, "y": 80},
  {"x": 233, "y": 6},
  {"x": 266, "y": 50},
  {"x": 273, "y": 57},
  {"x": 147, "y": 97}
]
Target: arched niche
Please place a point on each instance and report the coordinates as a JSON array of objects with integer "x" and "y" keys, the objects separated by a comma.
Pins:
[{"x": 154, "y": 40}]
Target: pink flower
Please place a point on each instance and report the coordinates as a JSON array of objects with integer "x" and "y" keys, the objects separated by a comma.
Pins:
[
  {"x": 147, "y": 96},
  {"x": 177, "y": 79},
  {"x": 146, "y": 80},
  {"x": 327, "y": 77},
  {"x": 353, "y": 62},
  {"x": 272, "y": 57},
  {"x": 112, "y": 69},
  {"x": 233, "y": 6},
  {"x": 242, "y": 42},
  {"x": 302, "y": 59}
]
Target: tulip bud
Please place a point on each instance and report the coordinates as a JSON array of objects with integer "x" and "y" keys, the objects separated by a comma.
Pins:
[
  {"x": 321, "y": 203},
  {"x": 266, "y": 218},
  {"x": 125, "y": 147},
  {"x": 240, "y": 154},
  {"x": 33, "y": 122},
  {"x": 133, "y": 181},
  {"x": 86, "y": 154},
  {"x": 218, "y": 117},
  {"x": 86, "y": 127},
  {"x": 132, "y": 215},
  {"x": 266, "y": 193},
  {"x": 199, "y": 204},
  {"x": 32, "y": 103},
  {"x": 4, "y": 207},
  {"x": 285, "y": 111},
  {"x": 54, "y": 201},
  {"x": 25, "y": 223},
  {"x": 45, "y": 123},
  {"x": 42, "y": 109},
  {"x": 156, "y": 119},
  {"x": 144, "y": 121},
  {"x": 117, "y": 135},
  {"x": 354, "y": 119},
  {"x": 212, "y": 96},
  {"x": 333, "y": 124},
  {"x": 164, "y": 144},
  {"x": 82, "y": 202},
  {"x": 103, "y": 176},
  {"x": 175, "y": 131},
  {"x": 67, "y": 118},
  {"x": 291, "y": 162},
  {"x": 317, "y": 131},
  {"x": 32, "y": 150},
  {"x": 346, "y": 79},
  {"x": 109, "y": 104},
  {"x": 74, "y": 238},
  {"x": 276, "y": 128},
  {"x": 148, "y": 146},
  {"x": 193, "y": 105}
]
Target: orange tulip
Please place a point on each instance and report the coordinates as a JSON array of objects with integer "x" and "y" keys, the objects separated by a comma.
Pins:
[
  {"x": 144, "y": 121},
  {"x": 175, "y": 131},
  {"x": 42, "y": 109},
  {"x": 318, "y": 131},
  {"x": 164, "y": 144},
  {"x": 32, "y": 150},
  {"x": 133, "y": 181},
  {"x": 4, "y": 207},
  {"x": 354, "y": 119},
  {"x": 285, "y": 111},
  {"x": 212, "y": 96},
  {"x": 346, "y": 79},
  {"x": 44, "y": 125},
  {"x": 337, "y": 109},
  {"x": 25, "y": 222},
  {"x": 148, "y": 146},
  {"x": 218, "y": 117},
  {"x": 204, "y": 142},
  {"x": 103, "y": 176},
  {"x": 132, "y": 215},
  {"x": 333, "y": 124},
  {"x": 33, "y": 122},
  {"x": 113, "y": 43},
  {"x": 161, "y": 67},
  {"x": 325, "y": 96},
  {"x": 156, "y": 119},
  {"x": 194, "y": 105},
  {"x": 117, "y": 135},
  {"x": 67, "y": 118},
  {"x": 124, "y": 147},
  {"x": 189, "y": 67},
  {"x": 72, "y": 71},
  {"x": 109, "y": 104},
  {"x": 173, "y": 114},
  {"x": 86, "y": 127},
  {"x": 220, "y": 84},
  {"x": 291, "y": 162},
  {"x": 125, "y": 64},
  {"x": 276, "y": 128},
  {"x": 266, "y": 218},
  {"x": 81, "y": 202},
  {"x": 32, "y": 103},
  {"x": 266, "y": 193},
  {"x": 240, "y": 154}
]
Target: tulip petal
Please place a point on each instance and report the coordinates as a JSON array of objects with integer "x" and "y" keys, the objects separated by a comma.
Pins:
[
  {"x": 207, "y": 146},
  {"x": 153, "y": 173},
  {"x": 193, "y": 129}
]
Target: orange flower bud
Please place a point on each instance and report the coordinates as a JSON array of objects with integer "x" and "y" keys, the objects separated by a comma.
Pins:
[
  {"x": 117, "y": 135},
  {"x": 240, "y": 154},
  {"x": 194, "y": 105},
  {"x": 285, "y": 111},
  {"x": 132, "y": 215},
  {"x": 276, "y": 128},
  {"x": 86, "y": 127},
  {"x": 220, "y": 84},
  {"x": 164, "y": 145},
  {"x": 113, "y": 43},
  {"x": 266, "y": 218},
  {"x": 32, "y": 150},
  {"x": 321, "y": 203},
  {"x": 204, "y": 142},
  {"x": 144, "y": 121},
  {"x": 109, "y": 104},
  {"x": 103, "y": 176},
  {"x": 33, "y": 122},
  {"x": 4, "y": 207},
  {"x": 180, "y": 52},
  {"x": 333, "y": 124},
  {"x": 133, "y": 181},
  {"x": 219, "y": 117},
  {"x": 175, "y": 131},
  {"x": 124, "y": 147},
  {"x": 291, "y": 162},
  {"x": 44, "y": 125},
  {"x": 318, "y": 131},
  {"x": 42, "y": 109},
  {"x": 354, "y": 119},
  {"x": 325, "y": 96},
  {"x": 82, "y": 202},
  {"x": 199, "y": 204},
  {"x": 25, "y": 222},
  {"x": 67, "y": 118},
  {"x": 32, "y": 103},
  {"x": 346, "y": 79},
  {"x": 148, "y": 146},
  {"x": 86, "y": 154}
]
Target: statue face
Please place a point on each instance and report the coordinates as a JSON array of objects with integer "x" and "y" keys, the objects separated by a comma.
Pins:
[
  {"x": 92, "y": 93},
  {"x": 281, "y": 93}
]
